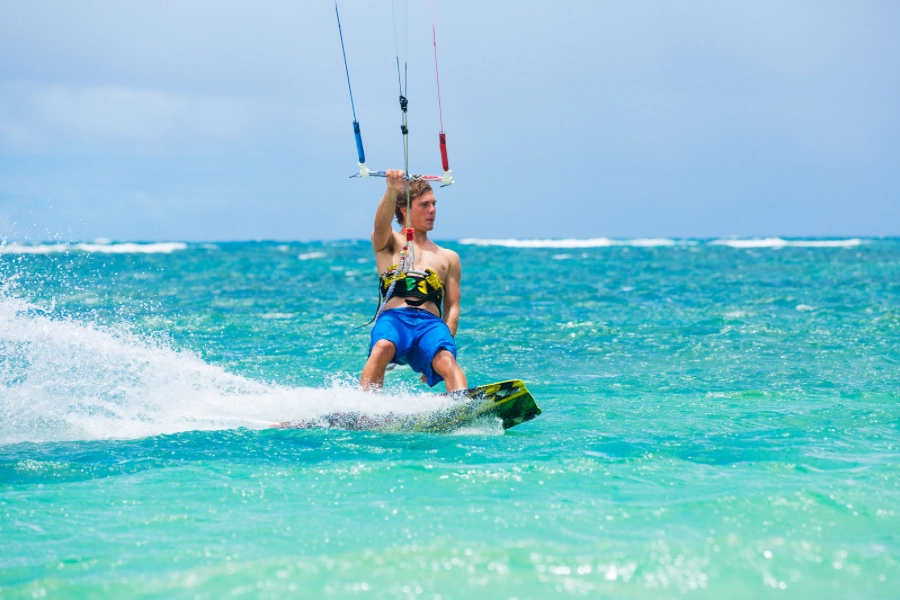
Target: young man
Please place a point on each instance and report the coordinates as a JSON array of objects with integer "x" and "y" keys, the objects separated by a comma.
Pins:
[{"x": 414, "y": 329}]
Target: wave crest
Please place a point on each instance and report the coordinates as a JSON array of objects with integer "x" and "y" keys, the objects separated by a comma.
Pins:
[
  {"x": 782, "y": 243},
  {"x": 570, "y": 243},
  {"x": 122, "y": 248}
]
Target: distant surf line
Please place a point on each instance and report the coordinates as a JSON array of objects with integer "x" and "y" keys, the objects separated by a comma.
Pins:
[
  {"x": 120, "y": 248},
  {"x": 568, "y": 243},
  {"x": 782, "y": 243},
  {"x": 659, "y": 242}
]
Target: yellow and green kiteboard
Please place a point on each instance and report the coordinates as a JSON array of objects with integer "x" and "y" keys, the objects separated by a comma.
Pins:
[{"x": 509, "y": 401}]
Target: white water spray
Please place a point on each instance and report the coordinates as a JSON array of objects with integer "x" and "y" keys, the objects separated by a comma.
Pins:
[{"x": 65, "y": 379}]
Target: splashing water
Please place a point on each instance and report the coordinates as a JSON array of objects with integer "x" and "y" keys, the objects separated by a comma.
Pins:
[{"x": 65, "y": 379}]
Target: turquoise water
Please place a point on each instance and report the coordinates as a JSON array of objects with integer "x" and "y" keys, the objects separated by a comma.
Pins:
[{"x": 720, "y": 421}]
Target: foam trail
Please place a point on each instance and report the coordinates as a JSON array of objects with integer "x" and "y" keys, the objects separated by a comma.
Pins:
[
  {"x": 123, "y": 248},
  {"x": 62, "y": 379},
  {"x": 781, "y": 243}
]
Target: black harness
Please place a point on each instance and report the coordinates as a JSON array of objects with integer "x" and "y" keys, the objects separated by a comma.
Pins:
[{"x": 415, "y": 286}]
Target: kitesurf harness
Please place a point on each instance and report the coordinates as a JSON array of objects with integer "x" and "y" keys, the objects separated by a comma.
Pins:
[{"x": 417, "y": 287}]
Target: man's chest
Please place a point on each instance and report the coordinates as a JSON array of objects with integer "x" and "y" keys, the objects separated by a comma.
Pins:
[
  {"x": 426, "y": 258},
  {"x": 436, "y": 261}
]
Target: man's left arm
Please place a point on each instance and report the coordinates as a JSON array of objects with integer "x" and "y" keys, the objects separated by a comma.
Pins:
[{"x": 452, "y": 293}]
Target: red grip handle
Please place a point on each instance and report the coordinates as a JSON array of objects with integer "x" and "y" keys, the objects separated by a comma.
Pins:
[{"x": 444, "y": 161}]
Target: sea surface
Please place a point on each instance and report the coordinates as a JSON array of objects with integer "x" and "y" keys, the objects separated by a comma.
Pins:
[{"x": 720, "y": 421}]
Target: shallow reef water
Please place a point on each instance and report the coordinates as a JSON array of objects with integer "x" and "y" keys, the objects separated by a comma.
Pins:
[{"x": 720, "y": 421}]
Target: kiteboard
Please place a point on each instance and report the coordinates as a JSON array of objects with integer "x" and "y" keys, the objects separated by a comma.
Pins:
[{"x": 508, "y": 401}]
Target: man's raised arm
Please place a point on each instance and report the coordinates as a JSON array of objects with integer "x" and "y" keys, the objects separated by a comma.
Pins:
[{"x": 383, "y": 235}]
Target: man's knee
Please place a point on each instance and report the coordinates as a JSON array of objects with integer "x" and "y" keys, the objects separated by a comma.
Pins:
[
  {"x": 443, "y": 361},
  {"x": 383, "y": 351}
]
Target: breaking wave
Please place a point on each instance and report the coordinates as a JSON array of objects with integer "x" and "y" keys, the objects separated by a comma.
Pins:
[
  {"x": 572, "y": 243},
  {"x": 782, "y": 243},
  {"x": 122, "y": 248},
  {"x": 773, "y": 242}
]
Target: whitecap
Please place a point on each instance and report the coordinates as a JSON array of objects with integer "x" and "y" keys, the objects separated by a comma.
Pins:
[
  {"x": 513, "y": 243},
  {"x": 776, "y": 242},
  {"x": 651, "y": 242},
  {"x": 103, "y": 248},
  {"x": 311, "y": 255},
  {"x": 277, "y": 315},
  {"x": 35, "y": 249},
  {"x": 573, "y": 243},
  {"x": 130, "y": 248}
]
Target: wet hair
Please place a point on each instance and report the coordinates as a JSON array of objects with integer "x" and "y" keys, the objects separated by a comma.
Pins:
[{"x": 417, "y": 188}]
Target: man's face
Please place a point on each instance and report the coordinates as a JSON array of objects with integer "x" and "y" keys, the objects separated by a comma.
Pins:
[{"x": 423, "y": 212}]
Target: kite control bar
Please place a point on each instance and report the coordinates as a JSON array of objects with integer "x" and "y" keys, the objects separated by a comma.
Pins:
[{"x": 446, "y": 179}]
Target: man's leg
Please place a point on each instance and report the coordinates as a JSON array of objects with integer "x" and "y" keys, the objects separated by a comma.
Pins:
[
  {"x": 445, "y": 365},
  {"x": 372, "y": 377}
]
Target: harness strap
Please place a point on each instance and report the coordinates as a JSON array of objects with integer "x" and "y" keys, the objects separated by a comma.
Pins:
[{"x": 429, "y": 297}]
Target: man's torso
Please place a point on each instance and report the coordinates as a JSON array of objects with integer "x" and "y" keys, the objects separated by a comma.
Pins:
[{"x": 430, "y": 256}]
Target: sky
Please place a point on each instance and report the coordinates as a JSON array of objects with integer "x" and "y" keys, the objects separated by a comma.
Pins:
[{"x": 228, "y": 120}]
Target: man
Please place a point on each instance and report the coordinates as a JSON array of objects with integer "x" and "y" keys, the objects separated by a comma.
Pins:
[{"x": 414, "y": 329}]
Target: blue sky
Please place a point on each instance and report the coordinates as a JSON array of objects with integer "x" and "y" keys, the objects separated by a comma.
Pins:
[{"x": 220, "y": 120}]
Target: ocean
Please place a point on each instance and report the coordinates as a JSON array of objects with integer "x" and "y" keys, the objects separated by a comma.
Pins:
[{"x": 720, "y": 421}]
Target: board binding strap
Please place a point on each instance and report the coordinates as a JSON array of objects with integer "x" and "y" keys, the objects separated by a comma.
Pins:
[{"x": 509, "y": 401}]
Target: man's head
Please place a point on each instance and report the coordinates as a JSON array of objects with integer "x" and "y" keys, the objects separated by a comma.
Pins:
[{"x": 422, "y": 202}]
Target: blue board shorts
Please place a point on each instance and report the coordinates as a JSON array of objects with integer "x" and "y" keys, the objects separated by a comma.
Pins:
[{"x": 418, "y": 335}]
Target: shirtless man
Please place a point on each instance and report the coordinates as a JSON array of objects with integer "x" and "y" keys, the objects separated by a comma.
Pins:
[{"x": 413, "y": 330}]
